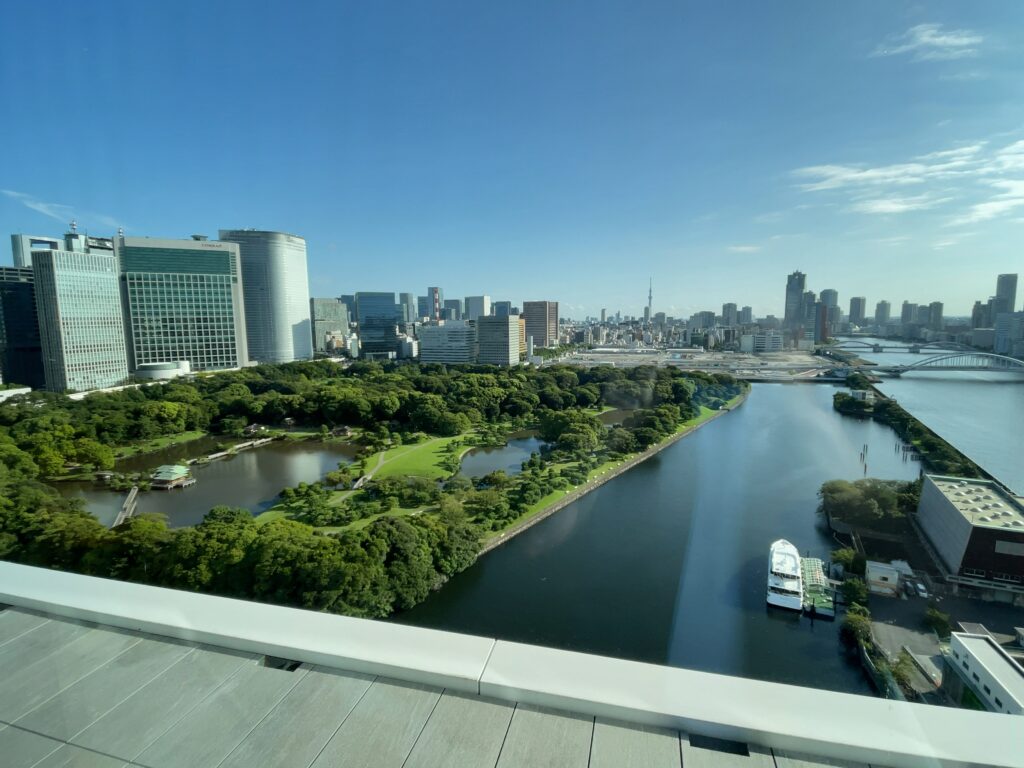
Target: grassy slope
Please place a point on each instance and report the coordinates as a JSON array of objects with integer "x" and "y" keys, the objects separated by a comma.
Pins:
[{"x": 146, "y": 446}]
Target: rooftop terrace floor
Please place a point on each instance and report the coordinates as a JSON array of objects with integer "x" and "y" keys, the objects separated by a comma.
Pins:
[{"x": 81, "y": 695}]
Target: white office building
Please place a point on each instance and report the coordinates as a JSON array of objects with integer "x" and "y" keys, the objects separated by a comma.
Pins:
[
  {"x": 276, "y": 289},
  {"x": 988, "y": 671},
  {"x": 758, "y": 343},
  {"x": 477, "y": 306},
  {"x": 451, "y": 341},
  {"x": 498, "y": 340}
]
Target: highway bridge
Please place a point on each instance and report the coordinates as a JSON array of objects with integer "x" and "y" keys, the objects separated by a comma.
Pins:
[{"x": 958, "y": 361}]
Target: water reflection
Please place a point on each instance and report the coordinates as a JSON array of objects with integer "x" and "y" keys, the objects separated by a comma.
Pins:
[
  {"x": 667, "y": 562},
  {"x": 252, "y": 479}
]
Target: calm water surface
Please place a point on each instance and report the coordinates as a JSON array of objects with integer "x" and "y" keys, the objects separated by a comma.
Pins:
[
  {"x": 252, "y": 479},
  {"x": 667, "y": 563},
  {"x": 982, "y": 414},
  {"x": 509, "y": 458}
]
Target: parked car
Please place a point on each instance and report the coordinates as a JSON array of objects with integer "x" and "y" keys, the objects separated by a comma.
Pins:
[
  {"x": 921, "y": 591},
  {"x": 908, "y": 589}
]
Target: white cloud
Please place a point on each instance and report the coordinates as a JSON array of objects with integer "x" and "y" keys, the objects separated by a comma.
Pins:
[
  {"x": 986, "y": 181},
  {"x": 60, "y": 211},
  {"x": 930, "y": 42},
  {"x": 1009, "y": 198},
  {"x": 889, "y": 205},
  {"x": 744, "y": 248}
]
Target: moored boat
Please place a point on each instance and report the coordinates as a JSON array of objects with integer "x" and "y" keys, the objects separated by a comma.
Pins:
[{"x": 785, "y": 583}]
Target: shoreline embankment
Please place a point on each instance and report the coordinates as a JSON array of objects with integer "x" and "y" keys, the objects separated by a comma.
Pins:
[{"x": 610, "y": 474}]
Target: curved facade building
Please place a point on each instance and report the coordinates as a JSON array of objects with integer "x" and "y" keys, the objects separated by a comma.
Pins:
[{"x": 276, "y": 290}]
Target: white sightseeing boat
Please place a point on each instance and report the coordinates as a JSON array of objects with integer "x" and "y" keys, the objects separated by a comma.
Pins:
[{"x": 785, "y": 582}]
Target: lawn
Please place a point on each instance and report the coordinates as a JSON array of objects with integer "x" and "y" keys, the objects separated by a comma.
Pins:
[{"x": 424, "y": 459}]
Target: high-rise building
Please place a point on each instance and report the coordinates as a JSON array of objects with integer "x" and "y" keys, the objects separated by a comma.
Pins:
[
  {"x": 477, "y": 306},
  {"x": 21, "y": 356},
  {"x": 795, "y": 284},
  {"x": 1006, "y": 292},
  {"x": 747, "y": 316},
  {"x": 730, "y": 315},
  {"x": 22, "y": 247},
  {"x": 451, "y": 341},
  {"x": 452, "y": 310},
  {"x": 809, "y": 300},
  {"x": 276, "y": 289},
  {"x": 830, "y": 297},
  {"x": 502, "y": 308},
  {"x": 182, "y": 301},
  {"x": 1009, "y": 335},
  {"x": 923, "y": 316},
  {"x": 858, "y": 309},
  {"x": 498, "y": 340},
  {"x": 980, "y": 317},
  {"x": 81, "y": 324},
  {"x": 541, "y": 322},
  {"x": 935, "y": 316},
  {"x": 882, "y": 312},
  {"x": 422, "y": 307},
  {"x": 522, "y": 336},
  {"x": 435, "y": 303},
  {"x": 604, "y": 315},
  {"x": 908, "y": 314},
  {"x": 378, "y": 317},
  {"x": 705, "y": 319},
  {"x": 330, "y": 318},
  {"x": 409, "y": 308}
]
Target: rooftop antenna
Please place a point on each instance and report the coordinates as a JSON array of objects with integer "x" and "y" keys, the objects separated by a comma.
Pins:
[
  {"x": 120, "y": 231},
  {"x": 74, "y": 226}
]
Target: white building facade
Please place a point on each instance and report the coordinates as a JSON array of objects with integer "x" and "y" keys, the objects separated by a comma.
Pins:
[
  {"x": 276, "y": 288},
  {"x": 453, "y": 341}
]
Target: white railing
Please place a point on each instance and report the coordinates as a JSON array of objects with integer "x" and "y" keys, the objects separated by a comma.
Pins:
[{"x": 823, "y": 723}]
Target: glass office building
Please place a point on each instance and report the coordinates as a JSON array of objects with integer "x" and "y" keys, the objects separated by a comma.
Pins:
[
  {"x": 21, "y": 357},
  {"x": 183, "y": 301},
  {"x": 378, "y": 316},
  {"x": 81, "y": 326},
  {"x": 276, "y": 289}
]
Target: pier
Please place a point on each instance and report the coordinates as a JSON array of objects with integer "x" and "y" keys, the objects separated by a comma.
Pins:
[{"x": 131, "y": 504}]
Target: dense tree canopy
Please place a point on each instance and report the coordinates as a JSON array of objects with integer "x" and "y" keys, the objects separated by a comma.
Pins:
[{"x": 388, "y": 561}]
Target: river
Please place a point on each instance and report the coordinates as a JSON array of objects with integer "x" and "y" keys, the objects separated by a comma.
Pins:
[
  {"x": 252, "y": 479},
  {"x": 667, "y": 563},
  {"x": 981, "y": 414}
]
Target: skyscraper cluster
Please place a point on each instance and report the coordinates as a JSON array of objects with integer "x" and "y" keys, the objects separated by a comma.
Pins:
[
  {"x": 432, "y": 328},
  {"x": 81, "y": 312}
]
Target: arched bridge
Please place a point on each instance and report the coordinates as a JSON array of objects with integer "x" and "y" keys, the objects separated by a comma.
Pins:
[
  {"x": 959, "y": 361},
  {"x": 856, "y": 344}
]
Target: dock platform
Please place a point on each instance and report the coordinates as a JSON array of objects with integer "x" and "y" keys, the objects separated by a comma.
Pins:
[{"x": 819, "y": 597}]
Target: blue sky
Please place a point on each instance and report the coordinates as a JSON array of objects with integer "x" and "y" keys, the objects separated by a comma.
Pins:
[{"x": 563, "y": 150}]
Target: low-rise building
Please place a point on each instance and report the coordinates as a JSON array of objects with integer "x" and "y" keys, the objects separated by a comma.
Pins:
[
  {"x": 976, "y": 530},
  {"x": 984, "y": 668},
  {"x": 882, "y": 578},
  {"x": 758, "y": 343}
]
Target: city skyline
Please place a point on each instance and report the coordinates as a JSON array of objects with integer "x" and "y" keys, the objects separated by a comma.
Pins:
[{"x": 441, "y": 155}]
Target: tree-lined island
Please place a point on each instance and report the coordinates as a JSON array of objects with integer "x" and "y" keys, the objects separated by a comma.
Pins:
[{"x": 370, "y": 538}]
